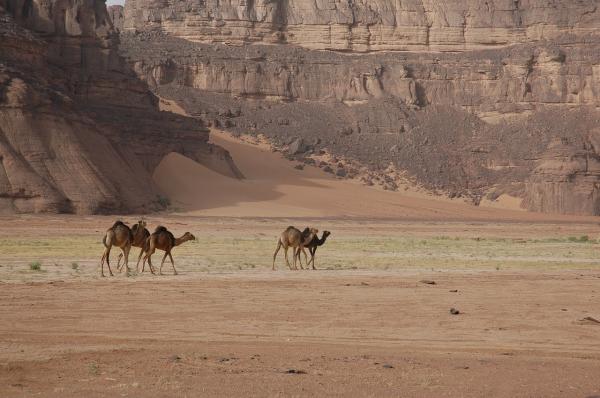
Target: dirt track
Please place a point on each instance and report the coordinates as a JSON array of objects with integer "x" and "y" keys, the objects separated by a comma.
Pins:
[{"x": 362, "y": 333}]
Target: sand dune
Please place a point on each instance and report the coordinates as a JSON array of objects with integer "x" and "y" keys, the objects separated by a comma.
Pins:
[{"x": 274, "y": 188}]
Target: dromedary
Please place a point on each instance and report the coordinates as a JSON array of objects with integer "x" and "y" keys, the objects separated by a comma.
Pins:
[
  {"x": 312, "y": 247},
  {"x": 118, "y": 235},
  {"x": 164, "y": 240},
  {"x": 140, "y": 235},
  {"x": 293, "y": 238}
]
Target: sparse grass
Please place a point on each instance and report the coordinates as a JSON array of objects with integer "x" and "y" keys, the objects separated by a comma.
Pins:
[
  {"x": 93, "y": 368},
  {"x": 580, "y": 239},
  {"x": 232, "y": 250}
]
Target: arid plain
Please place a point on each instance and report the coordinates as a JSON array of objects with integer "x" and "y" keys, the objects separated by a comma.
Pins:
[{"x": 365, "y": 324}]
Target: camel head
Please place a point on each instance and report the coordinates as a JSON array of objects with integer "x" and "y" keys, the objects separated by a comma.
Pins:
[
  {"x": 326, "y": 234},
  {"x": 188, "y": 236}
]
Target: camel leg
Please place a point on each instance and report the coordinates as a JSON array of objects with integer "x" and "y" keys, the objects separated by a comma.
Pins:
[
  {"x": 126, "y": 251},
  {"x": 173, "y": 264},
  {"x": 119, "y": 265},
  {"x": 162, "y": 263},
  {"x": 276, "y": 251},
  {"x": 313, "y": 251},
  {"x": 152, "y": 271},
  {"x": 298, "y": 256},
  {"x": 305, "y": 257},
  {"x": 102, "y": 263},
  {"x": 148, "y": 257},
  {"x": 294, "y": 258},
  {"x": 107, "y": 262},
  {"x": 287, "y": 261},
  {"x": 137, "y": 266}
]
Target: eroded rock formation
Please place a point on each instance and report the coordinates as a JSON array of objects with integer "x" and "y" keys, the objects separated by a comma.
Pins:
[
  {"x": 367, "y": 25},
  {"x": 79, "y": 132},
  {"x": 477, "y": 121},
  {"x": 116, "y": 15}
]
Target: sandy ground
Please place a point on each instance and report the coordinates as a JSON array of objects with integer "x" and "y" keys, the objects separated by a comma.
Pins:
[
  {"x": 274, "y": 188},
  {"x": 362, "y": 325},
  {"x": 305, "y": 333}
]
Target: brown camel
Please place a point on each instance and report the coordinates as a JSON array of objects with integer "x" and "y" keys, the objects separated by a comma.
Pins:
[
  {"x": 312, "y": 247},
  {"x": 140, "y": 235},
  {"x": 293, "y": 238},
  {"x": 118, "y": 235},
  {"x": 164, "y": 240}
]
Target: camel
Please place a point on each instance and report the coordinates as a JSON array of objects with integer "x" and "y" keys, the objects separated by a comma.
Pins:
[
  {"x": 312, "y": 247},
  {"x": 293, "y": 238},
  {"x": 118, "y": 235},
  {"x": 164, "y": 240},
  {"x": 140, "y": 235}
]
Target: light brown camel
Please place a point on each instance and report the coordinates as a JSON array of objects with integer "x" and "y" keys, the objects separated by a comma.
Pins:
[
  {"x": 140, "y": 235},
  {"x": 293, "y": 238},
  {"x": 164, "y": 240},
  {"x": 118, "y": 235},
  {"x": 312, "y": 247}
]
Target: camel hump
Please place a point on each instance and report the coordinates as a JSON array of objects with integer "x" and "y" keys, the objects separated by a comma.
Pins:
[
  {"x": 290, "y": 227},
  {"x": 117, "y": 223},
  {"x": 160, "y": 229}
]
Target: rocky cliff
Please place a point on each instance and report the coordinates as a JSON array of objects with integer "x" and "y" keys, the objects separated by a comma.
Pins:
[
  {"x": 469, "y": 98},
  {"x": 79, "y": 132},
  {"x": 116, "y": 15},
  {"x": 367, "y": 25}
]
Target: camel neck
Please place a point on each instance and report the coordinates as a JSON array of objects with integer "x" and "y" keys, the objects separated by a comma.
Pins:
[{"x": 180, "y": 240}]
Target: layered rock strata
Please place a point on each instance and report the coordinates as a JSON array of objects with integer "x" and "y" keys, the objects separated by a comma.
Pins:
[
  {"x": 367, "y": 25},
  {"x": 79, "y": 132},
  {"x": 475, "y": 124}
]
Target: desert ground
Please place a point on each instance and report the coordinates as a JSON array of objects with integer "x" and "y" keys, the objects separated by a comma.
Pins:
[{"x": 373, "y": 319}]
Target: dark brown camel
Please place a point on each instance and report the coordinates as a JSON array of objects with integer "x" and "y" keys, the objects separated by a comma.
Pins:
[
  {"x": 312, "y": 247},
  {"x": 118, "y": 235},
  {"x": 163, "y": 239},
  {"x": 293, "y": 238}
]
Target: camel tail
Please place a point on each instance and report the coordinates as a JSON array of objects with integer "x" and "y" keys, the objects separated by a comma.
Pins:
[{"x": 108, "y": 238}]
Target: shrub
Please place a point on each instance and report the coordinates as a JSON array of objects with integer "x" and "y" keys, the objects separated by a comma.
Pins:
[
  {"x": 35, "y": 266},
  {"x": 163, "y": 201}
]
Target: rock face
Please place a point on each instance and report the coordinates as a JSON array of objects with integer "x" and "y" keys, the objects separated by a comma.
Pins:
[
  {"x": 474, "y": 123},
  {"x": 79, "y": 132},
  {"x": 566, "y": 177},
  {"x": 116, "y": 15},
  {"x": 367, "y": 25}
]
